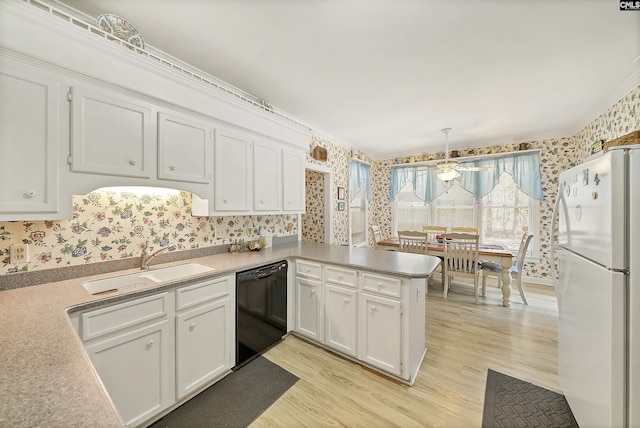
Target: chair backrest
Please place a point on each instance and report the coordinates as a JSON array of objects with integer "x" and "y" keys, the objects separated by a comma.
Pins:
[
  {"x": 433, "y": 231},
  {"x": 412, "y": 241},
  {"x": 461, "y": 252},
  {"x": 472, "y": 230},
  {"x": 376, "y": 234},
  {"x": 522, "y": 252}
]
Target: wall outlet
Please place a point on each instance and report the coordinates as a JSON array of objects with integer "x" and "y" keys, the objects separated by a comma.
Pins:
[{"x": 19, "y": 253}]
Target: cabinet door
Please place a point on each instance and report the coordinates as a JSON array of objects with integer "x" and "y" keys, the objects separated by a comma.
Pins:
[
  {"x": 232, "y": 171},
  {"x": 381, "y": 332},
  {"x": 293, "y": 184},
  {"x": 29, "y": 138},
  {"x": 309, "y": 310},
  {"x": 111, "y": 134},
  {"x": 134, "y": 367},
  {"x": 341, "y": 318},
  {"x": 202, "y": 345},
  {"x": 184, "y": 149},
  {"x": 267, "y": 177}
]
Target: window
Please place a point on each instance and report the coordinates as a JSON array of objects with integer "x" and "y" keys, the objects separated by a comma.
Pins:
[{"x": 499, "y": 216}]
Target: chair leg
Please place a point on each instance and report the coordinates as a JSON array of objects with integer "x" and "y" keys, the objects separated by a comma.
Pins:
[
  {"x": 484, "y": 283},
  {"x": 521, "y": 289},
  {"x": 475, "y": 288}
]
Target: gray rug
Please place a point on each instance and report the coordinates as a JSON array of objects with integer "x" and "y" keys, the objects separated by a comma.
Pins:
[
  {"x": 510, "y": 402},
  {"x": 235, "y": 401}
]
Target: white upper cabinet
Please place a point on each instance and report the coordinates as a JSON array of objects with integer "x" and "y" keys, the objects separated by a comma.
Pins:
[
  {"x": 232, "y": 171},
  {"x": 293, "y": 180},
  {"x": 267, "y": 176},
  {"x": 185, "y": 149},
  {"x": 30, "y": 107},
  {"x": 111, "y": 134}
]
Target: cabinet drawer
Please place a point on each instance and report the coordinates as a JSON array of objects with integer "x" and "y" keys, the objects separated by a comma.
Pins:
[
  {"x": 382, "y": 284},
  {"x": 346, "y": 277},
  {"x": 113, "y": 318},
  {"x": 201, "y": 292},
  {"x": 309, "y": 269}
]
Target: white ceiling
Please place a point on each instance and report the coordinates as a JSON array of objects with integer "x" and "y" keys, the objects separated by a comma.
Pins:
[{"x": 384, "y": 76}]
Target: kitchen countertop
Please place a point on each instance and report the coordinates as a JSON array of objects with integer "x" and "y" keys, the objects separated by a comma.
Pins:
[{"x": 46, "y": 378}]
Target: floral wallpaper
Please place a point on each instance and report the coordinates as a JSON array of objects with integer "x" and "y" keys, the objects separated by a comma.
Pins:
[
  {"x": 338, "y": 159},
  {"x": 110, "y": 225},
  {"x": 619, "y": 120},
  {"x": 313, "y": 220}
]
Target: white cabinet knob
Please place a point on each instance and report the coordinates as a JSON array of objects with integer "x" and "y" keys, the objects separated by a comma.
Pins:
[
  {"x": 261, "y": 202},
  {"x": 224, "y": 200},
  {"x": 132, "y": 162},
  {"x": 192, "y": 326},
  {"x": 347, "y": 300},
  {"x": 30, "y": 193},
  {"x": 340, "y": 277},
  {"x": 172, "y": 168},
  {"x": 380, "y": 285},
  {"x": 313, "y": 292},
  {"x": 150, "y": 343},
  {"x": 373, "y": 309}
]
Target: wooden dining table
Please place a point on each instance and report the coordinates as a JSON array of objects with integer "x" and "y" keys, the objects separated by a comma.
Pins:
[{"x": 489, "y": 253}]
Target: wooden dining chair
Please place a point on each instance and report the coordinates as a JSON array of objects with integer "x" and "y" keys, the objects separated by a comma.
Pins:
[
  {"x": 461, "y": 229},
  {"x": 433, "y": 231},
  {"x": 432, "y": 234},
  {"x": 495, "y": 269},
  {"x": 376, "y": 234},
  {"x": 461, "y": 259},
  {"x": 412, "y": 241}
]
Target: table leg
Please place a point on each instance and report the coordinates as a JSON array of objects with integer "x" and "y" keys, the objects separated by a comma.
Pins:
[{"x": 506, "y": 281}]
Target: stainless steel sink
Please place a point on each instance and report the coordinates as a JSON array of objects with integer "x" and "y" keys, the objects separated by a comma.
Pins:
[{"x": 144, "y": 279}]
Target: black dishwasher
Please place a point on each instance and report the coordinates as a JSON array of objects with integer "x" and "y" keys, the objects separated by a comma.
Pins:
[{"x": 261, "y": 309}]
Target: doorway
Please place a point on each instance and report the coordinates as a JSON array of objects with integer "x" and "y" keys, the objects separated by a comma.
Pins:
[{"x": 316, "y": 221}]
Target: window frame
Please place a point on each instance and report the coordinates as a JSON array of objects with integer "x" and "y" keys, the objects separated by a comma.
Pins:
[{"x": 533, "y": 253}]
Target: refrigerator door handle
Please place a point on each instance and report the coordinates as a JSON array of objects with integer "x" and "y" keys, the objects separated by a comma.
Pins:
[{"x": 553, "y": 242}]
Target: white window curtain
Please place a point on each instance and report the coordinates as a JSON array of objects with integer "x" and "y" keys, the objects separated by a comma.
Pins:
[
  {"x": 359, "y": 177},
  {"x": 523, "y": 167}
]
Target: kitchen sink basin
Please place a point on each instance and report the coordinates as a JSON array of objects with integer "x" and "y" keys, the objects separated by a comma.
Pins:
[{"x": 144, "y": 279}]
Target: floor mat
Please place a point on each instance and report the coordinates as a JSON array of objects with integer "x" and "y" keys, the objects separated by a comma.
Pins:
[
  {"x": 235, "y": 401},
  {"x": 510, "y": 402}
]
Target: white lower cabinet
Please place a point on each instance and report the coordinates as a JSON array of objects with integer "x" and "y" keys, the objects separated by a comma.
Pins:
[
  {"x": 202, "y": 345},
  {"x": 341, "y": 318},
  {"x": 373, "y": 318},
  {"x": 309, "y": 309},
  {"x": 381, "y": 332},
  {"x": 154, "y": 351},
  {"x": 134, "y": 367}
]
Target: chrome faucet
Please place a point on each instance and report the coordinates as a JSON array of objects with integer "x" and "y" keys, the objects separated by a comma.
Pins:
[{"x": 145, "y": 259}]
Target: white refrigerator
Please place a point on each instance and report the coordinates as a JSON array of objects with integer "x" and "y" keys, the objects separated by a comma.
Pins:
[{"x": 597, "y": 251}]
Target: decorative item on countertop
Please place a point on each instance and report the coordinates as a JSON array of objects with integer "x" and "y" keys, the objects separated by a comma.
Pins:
[
  {"x": 235, "y": 247},
  {"x": 121, "y": 28},
  {"x": 255, "y": 245}
]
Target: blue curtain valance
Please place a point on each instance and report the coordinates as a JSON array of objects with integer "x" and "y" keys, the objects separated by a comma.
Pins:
[
  {"x": 523, "y": 167},
  {"x": 359, "y": 176}
]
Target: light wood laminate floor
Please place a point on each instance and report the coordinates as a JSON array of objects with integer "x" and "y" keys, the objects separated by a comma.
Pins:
[{"x": 463, "y": 341}]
